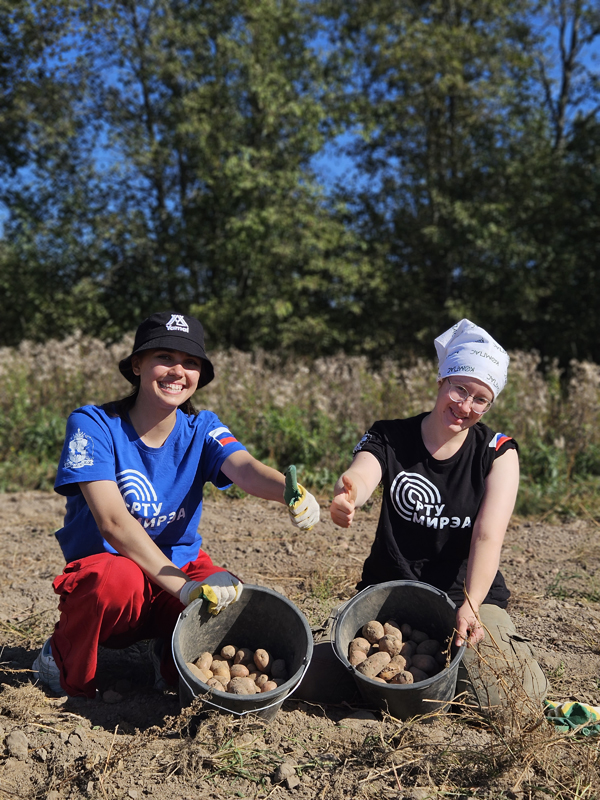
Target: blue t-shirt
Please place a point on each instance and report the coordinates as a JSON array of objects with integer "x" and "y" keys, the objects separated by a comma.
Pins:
[{"x": 161, "y": 486}]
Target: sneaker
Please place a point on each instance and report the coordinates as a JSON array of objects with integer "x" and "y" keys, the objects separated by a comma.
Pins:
[
  {"x": 45, "y": 669},
  {"x": 155, "y": 649}
]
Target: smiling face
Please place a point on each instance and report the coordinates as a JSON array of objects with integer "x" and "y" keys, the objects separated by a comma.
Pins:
[
  {"x": 459, "y": 416},
  {"x": 167, "y": 377}
]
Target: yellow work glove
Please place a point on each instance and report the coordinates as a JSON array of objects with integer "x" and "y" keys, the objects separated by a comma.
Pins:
[
  {"x": 305, "y": 513},
  {"x": 303, "y": 507},
  {"x": 219, "y": 590}
]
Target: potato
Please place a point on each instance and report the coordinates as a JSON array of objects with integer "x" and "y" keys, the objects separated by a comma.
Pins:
[
  {"x": 360, "y": 644},
  {"x": 239, "y": 671},
  {"x": 425, "y": 663},
  {"x": 441, "y": 657},
  {"x": 244, "y": 656},
  {"x": 418, "y": 636},
  {"x": 222, "y": 679},
  {"x": 228, "y": 652},
  {"x": 222, "y": 673},
  {"x": 253, "y": 675},
  {"x": 204, "y": 661},
  {"x": 418, "y": 675},
  {"x": 391, "y": 645},
  {"x": 429, "y": 647},
  {"x": 268, "y": 686},
  {"x": 202, "y": 674},
  {"x": 261, "y": 680},
  {"x": 401, "y": 660},
  {"x": 404, "y": 676},
  {"x": 373, "y": 665},
  {"x": 221, "y": 668},
  {"x": 262, "y": 660},
  {"x": 241, "y": 686},
  {"x": 215, "y": 683},
  {"x": 373, "y": 631},
  {"x": 356, "y": 656},
  {"x": 279, "y": 669},
  {"x": 408, "y": 649},
  {"x": 378, "y": 679},
  {"x": 388, "y": 672},
  {"x": 391, "y": 628},
  {"x": 406, "y": 630}
]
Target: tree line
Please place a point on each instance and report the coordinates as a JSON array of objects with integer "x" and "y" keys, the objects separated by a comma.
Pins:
[{"x": 161, "y": 154}]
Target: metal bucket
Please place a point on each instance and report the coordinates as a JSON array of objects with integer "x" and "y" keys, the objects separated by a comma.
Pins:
[
  {"x": 425, "y": 608},
  {"x": 260, "y": 618}
]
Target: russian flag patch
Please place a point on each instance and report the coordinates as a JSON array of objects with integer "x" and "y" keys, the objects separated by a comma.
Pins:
[
  {"x": 223, "y": 436},
  {"x": 499, "y": 440}
]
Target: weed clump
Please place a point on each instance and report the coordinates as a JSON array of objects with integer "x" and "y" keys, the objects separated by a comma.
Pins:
[{"x": 311, "y": 413}]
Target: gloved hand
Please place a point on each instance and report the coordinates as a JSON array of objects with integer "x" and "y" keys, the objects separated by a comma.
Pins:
[
  {"x": 304, "y": 509},
  {"x": 305, "y": 512},
  {"x": 219, "y": 590}
]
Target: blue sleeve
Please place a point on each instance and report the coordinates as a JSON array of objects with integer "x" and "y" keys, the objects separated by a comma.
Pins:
[
  {"x": 219, "y": 444},
  {"x": 88, "y": 452}
]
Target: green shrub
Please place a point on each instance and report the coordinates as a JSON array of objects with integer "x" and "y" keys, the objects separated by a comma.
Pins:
[{"x": 310, "y": 413}]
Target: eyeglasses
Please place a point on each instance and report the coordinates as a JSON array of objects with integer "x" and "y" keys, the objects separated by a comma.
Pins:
[{"x": 459, "y": 394}]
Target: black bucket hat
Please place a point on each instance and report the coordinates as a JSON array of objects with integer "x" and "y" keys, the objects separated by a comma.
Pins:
[{"x": 174, "y": 332}]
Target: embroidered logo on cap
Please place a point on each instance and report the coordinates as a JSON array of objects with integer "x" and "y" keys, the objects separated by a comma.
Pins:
[{"x": 177, "y": 323}]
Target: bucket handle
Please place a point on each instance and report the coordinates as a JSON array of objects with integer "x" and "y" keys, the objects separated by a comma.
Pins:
[{"x": 228, "y": 710}]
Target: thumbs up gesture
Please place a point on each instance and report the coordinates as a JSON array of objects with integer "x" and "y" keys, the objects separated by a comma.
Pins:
[{"x": 344, "y": 502}]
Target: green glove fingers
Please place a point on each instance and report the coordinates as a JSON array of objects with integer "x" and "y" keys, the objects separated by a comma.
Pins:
[
  {"x": 303, "y": 507},
  {"x": 292, "y": 494}
]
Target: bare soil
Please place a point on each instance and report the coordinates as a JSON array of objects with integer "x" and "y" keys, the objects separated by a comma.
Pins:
[{"x": 136, "y": 743}]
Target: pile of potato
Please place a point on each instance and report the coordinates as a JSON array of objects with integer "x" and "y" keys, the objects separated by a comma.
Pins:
[
  {"x": 239, "y": 670},
  {"x": 393, "y": 653}
]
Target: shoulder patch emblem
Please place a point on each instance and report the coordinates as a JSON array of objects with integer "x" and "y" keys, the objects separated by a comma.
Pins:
[
  {"x": 498, "y": 440},
  {"x": 223, "y": 436},
  {"x": 362, "y": 442},
  {"x": 81, "y": 451}
]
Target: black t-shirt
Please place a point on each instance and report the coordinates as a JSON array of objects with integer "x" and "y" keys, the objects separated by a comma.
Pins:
[{"x": 429, "y": 506}]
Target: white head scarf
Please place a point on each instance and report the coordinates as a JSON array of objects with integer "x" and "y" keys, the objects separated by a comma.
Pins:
[{"x": 466, "y": 349}]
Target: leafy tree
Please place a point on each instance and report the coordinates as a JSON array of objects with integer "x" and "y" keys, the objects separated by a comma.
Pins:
[
  {"x": 570, "y": 84},
  {"x": 157, "y": 153},
  {"x": 439, "y": 100},
  {"x": 212, "y": 112},
  {"x": 458, "y": 147},
  {"x": 44, "y": 157},
  {"x": 179, "y": 176}
]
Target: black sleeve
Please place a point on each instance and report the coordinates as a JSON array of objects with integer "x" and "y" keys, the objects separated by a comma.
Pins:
[
  {"x": 375, "y": 442},
  {"x": 504, "y": 446}
]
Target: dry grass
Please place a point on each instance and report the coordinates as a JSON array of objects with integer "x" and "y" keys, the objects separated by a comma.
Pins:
[
  {"x": 507, "y": 754},
  {"x": 311, "y": 413}
]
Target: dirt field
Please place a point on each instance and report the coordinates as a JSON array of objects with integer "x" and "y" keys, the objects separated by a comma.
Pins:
[{"x": 136, "y": 743}]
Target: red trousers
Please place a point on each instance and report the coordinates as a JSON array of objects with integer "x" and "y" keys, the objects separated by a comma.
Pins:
[{"x": 106, "y": 599}]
